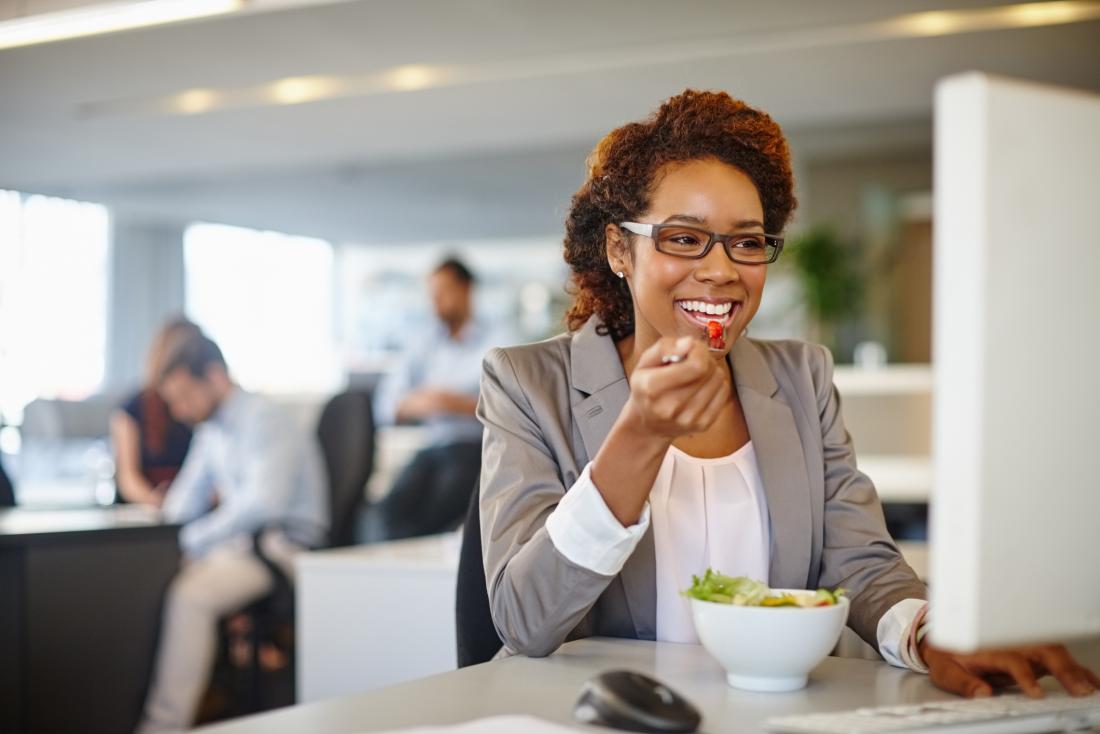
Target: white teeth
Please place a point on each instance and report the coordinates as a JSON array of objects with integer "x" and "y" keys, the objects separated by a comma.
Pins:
[{"x": 710, "y": 309}]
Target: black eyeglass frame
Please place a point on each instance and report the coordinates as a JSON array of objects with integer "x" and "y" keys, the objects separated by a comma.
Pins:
[{"x": 653, "y": 231}]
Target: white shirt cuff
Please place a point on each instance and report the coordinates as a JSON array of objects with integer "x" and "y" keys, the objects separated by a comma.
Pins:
[
  {"x": 583, "y": 529},
  {"x": 894, "y": 630}
]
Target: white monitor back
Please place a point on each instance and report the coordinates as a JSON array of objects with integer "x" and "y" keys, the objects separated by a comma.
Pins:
[{"x": 1015, "y": 514}]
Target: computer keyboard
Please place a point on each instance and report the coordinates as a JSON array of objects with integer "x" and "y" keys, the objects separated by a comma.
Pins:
[{"x": 1008, "y": 714}]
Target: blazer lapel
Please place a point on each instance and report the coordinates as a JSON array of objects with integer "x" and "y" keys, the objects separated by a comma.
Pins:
[
  {"x": 782, "y": 464},
  {"x": 597, "y": 372}
]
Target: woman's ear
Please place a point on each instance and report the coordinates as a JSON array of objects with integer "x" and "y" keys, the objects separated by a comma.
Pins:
[{"x": 617, "y": 249}]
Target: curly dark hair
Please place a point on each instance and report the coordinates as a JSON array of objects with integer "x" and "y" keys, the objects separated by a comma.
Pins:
[{"x": 623, "y": 172}]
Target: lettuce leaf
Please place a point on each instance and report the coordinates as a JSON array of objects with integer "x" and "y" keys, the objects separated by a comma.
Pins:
[{"x": 715, "y": 587}]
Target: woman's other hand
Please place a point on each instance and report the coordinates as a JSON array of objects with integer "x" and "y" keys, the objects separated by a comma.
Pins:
[{"x": 977, "y": 674}]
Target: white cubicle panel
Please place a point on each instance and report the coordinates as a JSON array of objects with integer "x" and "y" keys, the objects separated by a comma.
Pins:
[
  {"x": 375, "y": 615},
  {"x": 888, "y": 412}
]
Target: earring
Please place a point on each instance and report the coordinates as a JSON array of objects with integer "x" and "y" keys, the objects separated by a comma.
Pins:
[{"x": 621, "y": 274}]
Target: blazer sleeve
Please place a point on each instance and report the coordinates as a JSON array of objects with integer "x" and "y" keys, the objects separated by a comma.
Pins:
[
  {"x": 858, "y": 552},
  {"x": 537, "y": 596}
]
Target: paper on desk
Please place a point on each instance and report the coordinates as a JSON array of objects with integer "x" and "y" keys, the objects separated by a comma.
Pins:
[{"x": 493, "y": 725}]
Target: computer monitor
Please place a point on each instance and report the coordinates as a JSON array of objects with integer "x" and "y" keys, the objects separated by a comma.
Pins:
[{"x": 1015, "y": 509}]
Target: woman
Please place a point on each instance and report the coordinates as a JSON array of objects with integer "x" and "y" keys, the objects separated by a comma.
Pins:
[
  {"x": 149, "y": 444},
  {"x": 633, "y": 452}
]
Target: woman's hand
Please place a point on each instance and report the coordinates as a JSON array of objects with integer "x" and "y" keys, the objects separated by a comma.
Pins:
[
  {"x": 976, "y": 674},
  {"x": 666, "y": 401},
  {"x": 672, "y": 400}
]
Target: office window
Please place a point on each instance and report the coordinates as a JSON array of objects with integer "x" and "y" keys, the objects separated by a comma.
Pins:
[
  {"x": 267, "y": 299},
  {"x": 53, "y": 299}
]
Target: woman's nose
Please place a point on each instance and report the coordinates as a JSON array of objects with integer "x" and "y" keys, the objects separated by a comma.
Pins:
[{"x": 717, "y": 267}]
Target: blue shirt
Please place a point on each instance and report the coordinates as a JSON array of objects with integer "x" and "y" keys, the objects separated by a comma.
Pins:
[
  {"x": 263, "y": 469},
  {"x": 438, "y": 360}
]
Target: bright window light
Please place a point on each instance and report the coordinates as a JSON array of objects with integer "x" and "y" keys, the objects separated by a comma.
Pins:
[
  {"x": 53, "y": 299},
  {"x": 268, "y": 300}
]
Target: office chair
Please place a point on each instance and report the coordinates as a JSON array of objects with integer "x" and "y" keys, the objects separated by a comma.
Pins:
[
  {"x": 345, "y": 432},
  {"x": 7, "y": 492},
  {"x": 475, "y": 635}
]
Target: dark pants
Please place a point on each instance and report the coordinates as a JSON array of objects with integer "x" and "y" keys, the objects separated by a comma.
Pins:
[{"x": 431, "y": 494}]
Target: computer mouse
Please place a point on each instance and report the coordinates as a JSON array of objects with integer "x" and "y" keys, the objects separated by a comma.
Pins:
[{"x": 624, "y": 699}]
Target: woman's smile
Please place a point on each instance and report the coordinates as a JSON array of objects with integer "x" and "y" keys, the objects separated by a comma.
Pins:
[{"x": 699, "y": 312}]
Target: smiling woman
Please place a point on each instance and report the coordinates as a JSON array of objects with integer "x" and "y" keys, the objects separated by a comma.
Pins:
[{"x": 623, "y": 458}]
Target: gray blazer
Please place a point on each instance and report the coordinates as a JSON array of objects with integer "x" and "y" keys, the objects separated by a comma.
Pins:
[{"x": 548, "y": 407}]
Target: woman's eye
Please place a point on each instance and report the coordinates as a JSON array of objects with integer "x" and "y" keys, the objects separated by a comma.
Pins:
[
  {"x": 683, "y": 239},
  {"x": 750, "y": 243}
]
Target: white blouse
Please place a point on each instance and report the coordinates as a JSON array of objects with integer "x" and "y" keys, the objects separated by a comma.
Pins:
[
  {"x": 736, "y": 540},
  {"x": 706, "y": 513}
]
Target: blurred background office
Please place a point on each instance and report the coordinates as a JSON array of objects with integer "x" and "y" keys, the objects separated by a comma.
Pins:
[{"x": 286, "y": 174}]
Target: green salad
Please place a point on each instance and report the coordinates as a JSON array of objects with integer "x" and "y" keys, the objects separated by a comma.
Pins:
[{"x": 746, "y": 592}]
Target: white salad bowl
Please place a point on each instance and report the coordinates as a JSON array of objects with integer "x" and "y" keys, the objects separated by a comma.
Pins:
[{"x": 769, "y": 648}]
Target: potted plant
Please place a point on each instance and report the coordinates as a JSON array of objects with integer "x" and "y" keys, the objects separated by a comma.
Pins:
[{"x": 830, "y": 274}]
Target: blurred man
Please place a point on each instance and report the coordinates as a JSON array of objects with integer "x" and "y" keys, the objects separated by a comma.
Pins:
[
  {"x": 436, "y": 384},
  {"x": 249, "y": 469}
]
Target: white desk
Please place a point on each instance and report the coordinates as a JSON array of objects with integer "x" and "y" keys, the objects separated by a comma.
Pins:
[
  {"x": 548, "y": 687},
  {"x": 375, "y": 615}
]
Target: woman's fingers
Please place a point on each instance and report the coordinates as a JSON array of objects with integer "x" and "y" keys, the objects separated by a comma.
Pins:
[
  {"x": 680, "y": 409},
  {"x": 1022, "y": 666},
  {"x": 1018, "y": 667},
  {"x": 701, "y": 409},
  {"x": 658, "y": 380},
  {"x": 1093, "y": 678},
  {"x": 1076, "y": 679},
  {"x": 710, "y": 414},
  {"x": 702, "y": 405},
  {"x": 951, "y": 676}
]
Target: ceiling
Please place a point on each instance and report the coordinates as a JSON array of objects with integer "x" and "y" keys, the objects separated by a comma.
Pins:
[{"x": 529, "y": 77}]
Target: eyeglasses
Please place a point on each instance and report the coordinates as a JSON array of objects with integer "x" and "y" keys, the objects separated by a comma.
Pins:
[{"x": 679, "y": 240}]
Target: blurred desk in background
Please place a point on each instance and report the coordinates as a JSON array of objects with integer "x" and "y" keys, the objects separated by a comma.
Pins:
[
  {"x": 898, "y": 478},
  {"x": 79, "y": 615},
  {"x": 371, "y": 616}
]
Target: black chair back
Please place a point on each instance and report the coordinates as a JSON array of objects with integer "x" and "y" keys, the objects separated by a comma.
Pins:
[
  {"x": 7, "y": 492},
  {"x": 476, "y": 637},
  {"x": 346, "y": 434}
]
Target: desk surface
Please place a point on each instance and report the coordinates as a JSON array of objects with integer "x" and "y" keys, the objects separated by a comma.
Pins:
[
  {"x": 547, "y": 688},
  {"x": 21, "y": 524}
]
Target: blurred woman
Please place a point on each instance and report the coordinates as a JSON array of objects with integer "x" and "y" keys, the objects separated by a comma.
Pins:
[{"x": 149, "y": 444}]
